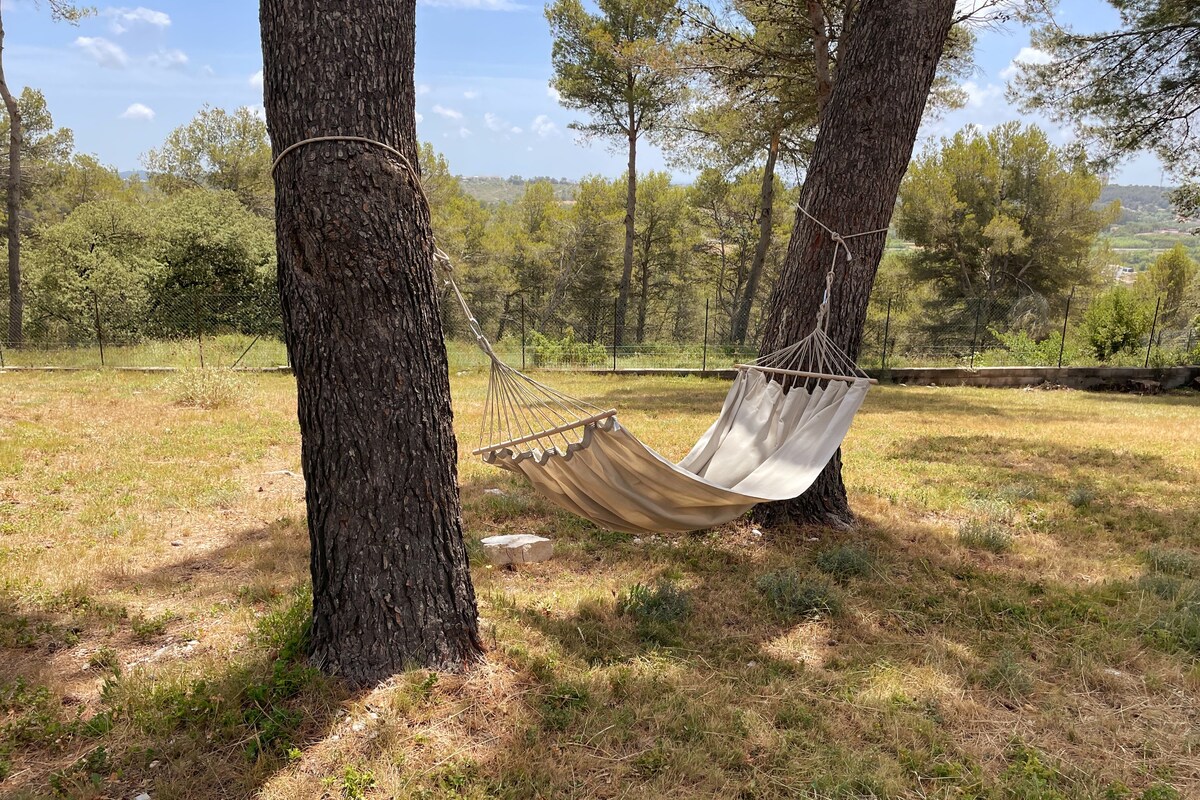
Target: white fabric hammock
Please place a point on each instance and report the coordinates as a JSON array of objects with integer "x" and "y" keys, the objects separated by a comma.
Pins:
[{"x": 783, "y": 419}]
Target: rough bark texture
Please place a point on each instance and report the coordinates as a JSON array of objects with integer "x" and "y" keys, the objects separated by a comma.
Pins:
[
  {"x": 820, "y": 32},
  {"x": 766, "y": 218},
  {"x": 16, "y": 305},
  {"x": 630, "y": 232},
  {"x": 862, "y": 150},
  {"x": 391, "y": 587}
]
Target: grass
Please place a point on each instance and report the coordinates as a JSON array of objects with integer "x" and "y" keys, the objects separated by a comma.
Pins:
[{"x": 153, "y": 558}]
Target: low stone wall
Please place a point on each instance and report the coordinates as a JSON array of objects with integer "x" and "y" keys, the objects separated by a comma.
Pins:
[{"x": 1099, "y": 378}]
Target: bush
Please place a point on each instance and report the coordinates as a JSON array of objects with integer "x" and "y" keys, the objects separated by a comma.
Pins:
[
  {"x": 1081, "y": 497},
  {"x": 845, "y": 562},
  {"x": 1115, "y": 322},
  {"x": 1168, "y": 561},
  {"x": 657, "y": 611},
  {"x": 206, "y": 388},
  {"x": 791, "y": 596},
  {"x": 566, "y": 351}
]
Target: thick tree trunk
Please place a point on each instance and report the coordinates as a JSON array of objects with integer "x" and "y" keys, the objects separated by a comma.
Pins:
[
  {"x": 862, "y": 150},
  {"x": 766, "y": 219},
  {"x": 391, "y": 587},
  {"x": 630, "y": 232},
  {"x": 16, "y": 304},
  {"x": 820, "y": 32}
]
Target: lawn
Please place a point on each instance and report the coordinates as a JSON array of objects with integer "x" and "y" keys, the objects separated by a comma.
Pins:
[{"x": 1017, "y": 614}]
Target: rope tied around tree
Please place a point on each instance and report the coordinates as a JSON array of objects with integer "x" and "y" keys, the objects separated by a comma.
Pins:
[{"x": 840, "y": 246}]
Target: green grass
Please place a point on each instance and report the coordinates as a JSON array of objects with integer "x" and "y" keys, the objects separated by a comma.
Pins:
[{"x": 153, "y": 616}]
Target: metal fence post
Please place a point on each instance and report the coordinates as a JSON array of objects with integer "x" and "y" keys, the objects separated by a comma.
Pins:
[
  {"x": 522, "y": 332},
  {"x": 199, "y": 329},
  {"x": 704, "y": 351},
  {"x": 887, "y": 326},
  {"x": 975, "y": 335},
  {"x": 99, "y": 328},
  {"x": 1066, "y": 316},
  {"x": 614, "y": 335},
  {"x": 1153, "y": 325}
]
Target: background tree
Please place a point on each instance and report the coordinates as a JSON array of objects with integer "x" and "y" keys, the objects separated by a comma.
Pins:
[
  {"x": 1127, "y": 90},
  {"x": 1115, "y": 323},
  {"x": 886, "y": 68},
  {"x": 391, "y": 588},
  {"x": 998, "y": 215},
  {"x": 216, "y": 150},
  {"x": 620, "y": 66},
  {"x": 1170, "y": 277},
  {"x": 60, "y": 11}
]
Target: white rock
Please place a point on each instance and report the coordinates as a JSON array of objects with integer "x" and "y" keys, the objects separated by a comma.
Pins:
[
  {"x": 496, "y": 492},
  {"x": 518, "y": 548},
  {"x": 142, "y": 796}
]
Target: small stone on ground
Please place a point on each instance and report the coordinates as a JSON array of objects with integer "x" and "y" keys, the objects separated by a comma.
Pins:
[{"x": 519, "y": 548}]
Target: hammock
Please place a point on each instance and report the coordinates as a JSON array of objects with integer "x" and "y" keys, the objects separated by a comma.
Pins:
[{"x": 783, "y": 419}]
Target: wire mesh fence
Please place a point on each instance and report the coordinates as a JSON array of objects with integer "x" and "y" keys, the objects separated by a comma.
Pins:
[{"x": 246, "y": 331}]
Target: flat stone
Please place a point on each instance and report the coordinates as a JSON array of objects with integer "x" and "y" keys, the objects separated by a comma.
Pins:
[{"x": 517, "y": 548}]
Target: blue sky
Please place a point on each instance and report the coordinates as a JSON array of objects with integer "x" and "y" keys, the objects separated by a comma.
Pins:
[{"x": 124, "y": 78}]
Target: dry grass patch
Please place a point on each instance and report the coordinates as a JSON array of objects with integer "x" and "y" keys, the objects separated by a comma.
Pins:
[{"x": 152, "y": 625}]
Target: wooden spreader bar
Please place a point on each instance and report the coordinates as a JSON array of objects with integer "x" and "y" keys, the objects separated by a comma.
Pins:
[
  {"x": 801, "y": 374},
  {"x": 592, "y": 420}
]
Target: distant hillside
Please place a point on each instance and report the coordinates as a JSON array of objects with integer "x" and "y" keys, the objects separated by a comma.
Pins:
[
  {"x": 1139, "y": 198},
  {"x": 493, "y": 190}
]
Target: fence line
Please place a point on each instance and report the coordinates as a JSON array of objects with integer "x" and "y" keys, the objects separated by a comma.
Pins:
[{"x": 246, "y": 330}]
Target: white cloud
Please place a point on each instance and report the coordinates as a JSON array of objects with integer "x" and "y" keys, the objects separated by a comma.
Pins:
[
  {"x": 464, "y": 132},
  {"x": 499, "y": 124},
  {"x": 553, "y": 94},
  {"x": 124, "y": 18},
  {"x": 423, "y": 88},
  {"x": 420, "y": 117},
  {"x": 259, "y": 112},
  {"x": 543, "y": 126},
  {"x": 102, "y": 51},
  {"x": 1027, "y": 55},
  {"x": 168, "y": 59},
  {"x": 256, "y": 79},
  {"x": 138, "y": 111},
  {"x": 208, "y": 71},
  {"x": 475, "y": 5},
  {"x": 470, "y": 94},
  {"x": 978, "y": 96},
  {"x": 448, "y": 113}
]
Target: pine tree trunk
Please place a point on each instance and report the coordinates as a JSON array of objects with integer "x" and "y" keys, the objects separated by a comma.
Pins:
[
  {"x": 766, "y": 218},
  {"x": 391, "y": 588},
  {"x": 16, "y": 302},
  {"x": 630, "y": 232},
  {"x": 862, "y": 150}
]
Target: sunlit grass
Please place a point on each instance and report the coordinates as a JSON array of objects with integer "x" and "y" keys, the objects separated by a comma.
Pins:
[{"x": 152, "y": 559}]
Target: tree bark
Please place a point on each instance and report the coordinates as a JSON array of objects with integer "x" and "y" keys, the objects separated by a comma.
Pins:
[
  {"x": 16, "y": 303},
  {"x": 630, "y": 233},
  {"x": 391, "y": 588},
  {"x": 766, "y": 218},
  {"x": 862, "y": 150},
  {"x": 820, "y": 32}
]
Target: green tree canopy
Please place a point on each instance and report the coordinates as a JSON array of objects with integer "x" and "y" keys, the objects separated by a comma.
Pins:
[
  {"x": 217, "y": 150},
  {"x": 1000, "y": 213},
  {"x": 1170, "y": 277}
]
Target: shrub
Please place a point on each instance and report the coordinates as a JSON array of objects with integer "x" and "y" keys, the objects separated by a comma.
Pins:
[
  {"x": 566, "y": 351},
  {"x": 791, "y": 596},
  {"x": 1115, "y": 322},
  {"x": 845, "y": 562},
  {"x": 206, "y": 388}
]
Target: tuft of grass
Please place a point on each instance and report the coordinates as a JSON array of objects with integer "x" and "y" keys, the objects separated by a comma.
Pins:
[
  {"x": 1006, "y": 676},
  {"x": 791, "y": 596},
  {"x": 985, "y": 535},
  {"x": 106, "y": 660},
  {"x": 657, "y": 611},
  {"x": 845, "y": 561},
  {"x": 1081, "y": 497},
  {"x": 356, "y": 782},
  {"x": 206, "y": 388},
  {"x": 1169, "y": 561}
]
